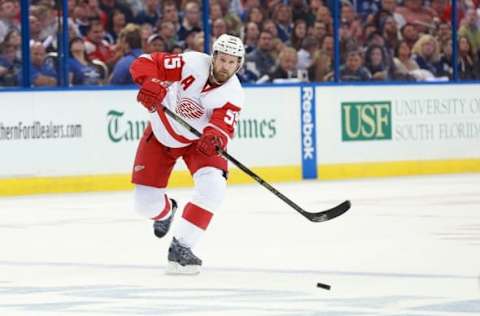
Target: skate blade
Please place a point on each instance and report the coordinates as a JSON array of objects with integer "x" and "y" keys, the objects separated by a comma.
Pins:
[{"x": 174, "y": 268}]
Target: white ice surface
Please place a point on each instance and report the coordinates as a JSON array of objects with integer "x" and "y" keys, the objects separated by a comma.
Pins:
[{"x": 409, "y": 246}]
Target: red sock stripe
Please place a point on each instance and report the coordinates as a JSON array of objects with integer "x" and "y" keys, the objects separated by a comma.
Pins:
[
  {"x": 165, "y": 210},
  {"x": 197, "y": 216}
]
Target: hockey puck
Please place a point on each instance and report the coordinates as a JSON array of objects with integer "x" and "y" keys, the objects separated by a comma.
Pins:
[{"x": 323, "y": 286}]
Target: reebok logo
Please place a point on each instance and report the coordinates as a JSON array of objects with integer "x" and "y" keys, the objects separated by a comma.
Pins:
[
  {"x": 307, "y": 123},
  {"x": 309, "y": 142}
]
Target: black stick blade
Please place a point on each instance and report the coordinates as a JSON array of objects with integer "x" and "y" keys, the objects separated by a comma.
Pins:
[{"x": 328, "y": 214}]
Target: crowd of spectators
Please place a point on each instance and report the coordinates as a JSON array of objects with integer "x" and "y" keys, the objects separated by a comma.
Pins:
[{"x": 285, "y": 40}]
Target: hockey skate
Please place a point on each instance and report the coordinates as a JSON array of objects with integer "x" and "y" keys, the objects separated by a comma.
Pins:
[
  {"x": 181, "y": 260},
  {"x": 160, "y": 228}
]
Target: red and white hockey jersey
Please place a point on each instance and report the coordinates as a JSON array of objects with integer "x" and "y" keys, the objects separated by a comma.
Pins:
[{"x": 189, "y": 95}]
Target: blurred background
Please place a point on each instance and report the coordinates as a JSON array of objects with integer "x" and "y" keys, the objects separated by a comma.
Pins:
[{"x": 289, "y": 40}]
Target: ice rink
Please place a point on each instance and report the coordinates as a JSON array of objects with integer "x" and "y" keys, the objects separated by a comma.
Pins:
[{"x": 409, "y": 246}]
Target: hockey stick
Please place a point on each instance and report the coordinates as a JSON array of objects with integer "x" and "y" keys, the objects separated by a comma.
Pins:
[{"x": 312, "y": 216}]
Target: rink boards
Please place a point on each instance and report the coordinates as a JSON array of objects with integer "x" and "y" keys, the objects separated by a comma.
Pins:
[{"x": 69, "y": 141}]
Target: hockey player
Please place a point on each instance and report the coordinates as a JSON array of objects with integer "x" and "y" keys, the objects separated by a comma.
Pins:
[{"x": 206, "y": 93}]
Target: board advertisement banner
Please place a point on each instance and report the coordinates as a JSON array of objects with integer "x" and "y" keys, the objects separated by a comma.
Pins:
[
  {"x": 69, "y": 133},
  {"x": 397, "y": 123}
]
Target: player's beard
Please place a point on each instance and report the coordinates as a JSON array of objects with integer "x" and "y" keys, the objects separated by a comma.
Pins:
[{"x": 220, "y": 76}]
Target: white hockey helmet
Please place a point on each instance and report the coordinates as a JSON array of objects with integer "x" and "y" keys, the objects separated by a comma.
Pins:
[{"x": 231, "y": 45}]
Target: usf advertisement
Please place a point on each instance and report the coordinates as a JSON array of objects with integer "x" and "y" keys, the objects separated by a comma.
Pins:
[
  {"x": 366, "y": 120},
  {"x": 409, "y": 124},
  {"x": 415, "y": 119}
]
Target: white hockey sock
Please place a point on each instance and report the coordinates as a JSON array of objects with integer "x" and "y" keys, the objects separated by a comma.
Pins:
[
  {"x": 165, "y": 213},
  {"x": 151, "y": 202},
  {"x": 192, "y": 225}
]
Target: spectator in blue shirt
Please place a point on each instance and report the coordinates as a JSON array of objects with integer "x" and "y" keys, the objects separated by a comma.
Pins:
[
  {"x": 427, "y": 55},
  {"x": 353, "y": 69},
  {"x": 250, "y": 38},
  {"x": 81, "y": 70},
  {"x": 10, "y": 65},
  {"x": 42, "y": 73},
  {"x": 149, "y": 14},
  {"x": 283, "y": 20},
  {"x": 191, "y": 19},
  {"x": 260, "y": 61},
  {"x": 130, "y": 40}
]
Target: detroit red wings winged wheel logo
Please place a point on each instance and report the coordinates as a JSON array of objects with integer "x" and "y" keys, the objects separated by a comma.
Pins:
[{"x": 188, "y": 108}]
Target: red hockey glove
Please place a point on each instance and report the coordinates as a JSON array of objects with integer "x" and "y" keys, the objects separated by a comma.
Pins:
[
  {"x": 210, "y": 140},
  {"x": 152, "y": 93}
]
